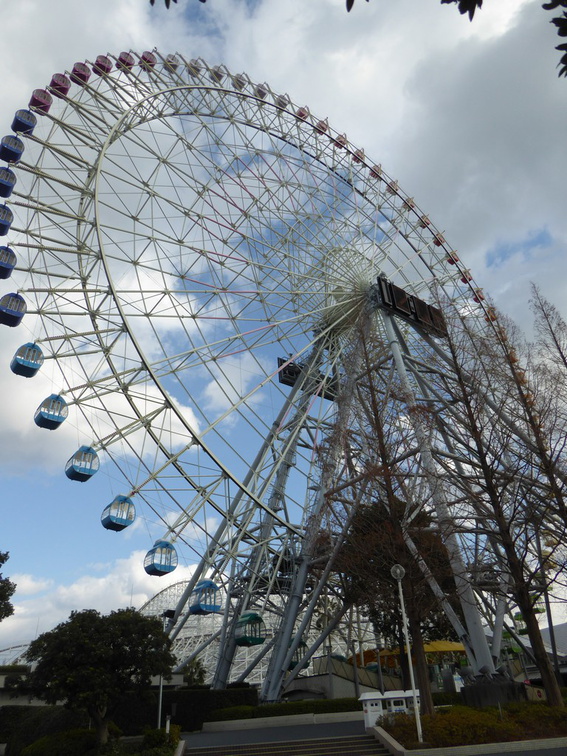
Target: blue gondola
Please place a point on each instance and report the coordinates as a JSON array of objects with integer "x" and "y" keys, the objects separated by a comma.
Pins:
[
  {"x": 8, "y": 261},
  {"x": 6, "y": 219},
  {"x": 7, "y": 182},
  {"x": 51, "y": 412},
  {"x": 12, "y": 309},
  {"x": 24, "y": 122},
  {"x": 120, "y": 513},
  {"x": 83, "y": 464},
  {"x": 27, "y": 360},
  {"x": 250, "y": 630},
  {"x": 161, "y": 560},
  {"x": 204, "y": 598},
  {"x": 11, "y": 148}
]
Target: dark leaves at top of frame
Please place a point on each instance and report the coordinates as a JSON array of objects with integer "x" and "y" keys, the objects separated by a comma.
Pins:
[
  {"x": 466, "y": 6},
  {"x": 470, "y": 6},
  {"x": 167, "y": 2},
  {"x": 563, "y": 61},
  {"x": 349, "y": 4},
  {"x": 561, "y": 23}
]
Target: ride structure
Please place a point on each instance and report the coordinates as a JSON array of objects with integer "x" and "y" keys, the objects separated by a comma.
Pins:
[{"x": 225, "y": 283}]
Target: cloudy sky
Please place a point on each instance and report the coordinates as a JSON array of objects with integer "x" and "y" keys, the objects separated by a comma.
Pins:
[{"x": 470, "y": 119}]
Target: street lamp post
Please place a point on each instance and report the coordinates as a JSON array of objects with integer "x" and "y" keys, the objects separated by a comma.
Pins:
[
  {"x": 398, "y": 573},
  {"x": 168, "y": 614}
]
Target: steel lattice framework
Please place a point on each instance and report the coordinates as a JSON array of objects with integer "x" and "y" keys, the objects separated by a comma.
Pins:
[{"x": 181, "y": 229}]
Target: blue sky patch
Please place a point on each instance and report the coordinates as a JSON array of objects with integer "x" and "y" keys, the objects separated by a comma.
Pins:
[{"x": 537, "y": 239}]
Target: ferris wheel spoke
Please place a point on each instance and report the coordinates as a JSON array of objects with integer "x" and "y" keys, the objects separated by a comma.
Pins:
[
  {"x": 53, "y": 178},
  {"x": 77, "y": 136},
  {"x": 106, "y": 104}
]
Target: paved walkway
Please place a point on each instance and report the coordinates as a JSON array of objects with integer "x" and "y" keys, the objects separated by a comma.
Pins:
[
  {"x": 327, "y": 730},
  {"x": 273, "y": 734}
]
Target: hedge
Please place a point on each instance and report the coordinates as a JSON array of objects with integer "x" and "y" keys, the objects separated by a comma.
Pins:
[
  {"x": 188, "y": 707},
  {"x": 69, "y": 743},
  {"x": 310, "y": 706},
  {"x": 20, "y": 726}
]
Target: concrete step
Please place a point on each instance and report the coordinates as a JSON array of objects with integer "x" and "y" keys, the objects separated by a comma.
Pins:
[{"x": 358, "y": 745}]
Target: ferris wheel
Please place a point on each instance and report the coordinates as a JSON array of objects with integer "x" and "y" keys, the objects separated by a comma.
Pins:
[{"x": 205, "y": 264}]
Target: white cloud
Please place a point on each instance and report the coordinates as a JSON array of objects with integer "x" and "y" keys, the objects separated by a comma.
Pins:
[
  {"x": 28, "y": 585},
  {"x": 113, "y": 586}
]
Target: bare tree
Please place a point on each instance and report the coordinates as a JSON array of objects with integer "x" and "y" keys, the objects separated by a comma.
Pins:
[
  {"x": 375, "y": 542},
  {"x": 512, "y": 481}
]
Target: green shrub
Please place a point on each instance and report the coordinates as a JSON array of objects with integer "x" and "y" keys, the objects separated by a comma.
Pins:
[
  {"x": 160, "y": 738},
  {"x": 116, "y": 748},
  {"x": 153, "y": 738},
  {"x": 70, "y": 743},
  {"x": 538, "y": 719},
  {"x": 317, "y": 706},
  {"x": 188, "y": 707},
  {"x": 310, "y": 706},
  {"x": 446, "y": 698},
  {"x": 23, "y": 725},
  {"x": 232, "y": 712},
  {"x": 7, "y": 669},
  {"x": 463, "y": 725},
  {"x": 174, "y": 734},
  {"x": 10, "y": 718},
  {"x": 471, "y": 726},
  {"x": 114, "y": 732}
]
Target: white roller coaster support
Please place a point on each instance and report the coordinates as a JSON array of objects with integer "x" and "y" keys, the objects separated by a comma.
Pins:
[{"x": 257, "y": 659}]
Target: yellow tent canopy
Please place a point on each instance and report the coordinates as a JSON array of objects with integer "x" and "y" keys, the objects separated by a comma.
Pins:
[
  {"x": 434, "y": 647},
  {"x": 444, "y": 647}
]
